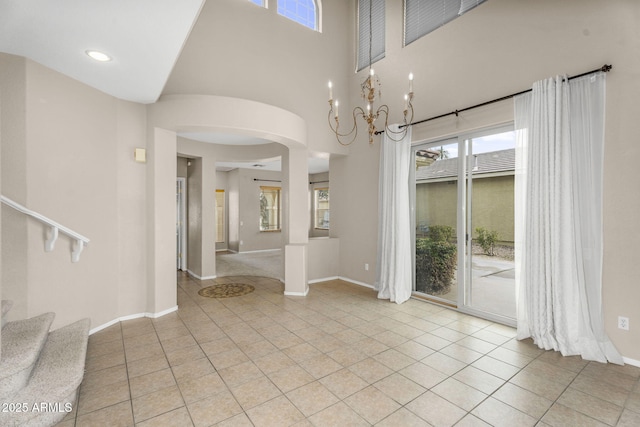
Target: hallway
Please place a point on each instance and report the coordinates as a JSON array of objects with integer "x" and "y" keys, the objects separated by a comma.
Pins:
[{"x": 263, "y": 264}]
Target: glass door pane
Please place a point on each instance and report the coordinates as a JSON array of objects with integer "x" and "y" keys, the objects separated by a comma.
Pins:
[
  {"x": 436, "y": 213},
  {"x": 490, "y": 224}
]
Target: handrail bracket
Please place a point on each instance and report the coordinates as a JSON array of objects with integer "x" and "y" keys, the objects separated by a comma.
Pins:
[
  {"x": 55, "y": 230},
  {"x": 51, "y": 241},
  {"x": 77, "y": 250}
]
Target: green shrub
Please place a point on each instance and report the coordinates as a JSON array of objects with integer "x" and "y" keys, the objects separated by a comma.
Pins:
[
  {"x": 440, "y": 233},
  {"x": 435, "y": 265},
  {"x": 487, "y": 239}
]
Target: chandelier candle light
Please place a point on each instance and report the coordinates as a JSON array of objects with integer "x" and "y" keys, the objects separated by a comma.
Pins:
[{"x": 368, "y": 88}]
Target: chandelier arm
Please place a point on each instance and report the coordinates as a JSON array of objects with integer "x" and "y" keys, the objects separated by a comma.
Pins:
[
  {"x": 395, "y": 136},
  {"x": 354, "y": 130},
  {"x": 384, "y": 108}
]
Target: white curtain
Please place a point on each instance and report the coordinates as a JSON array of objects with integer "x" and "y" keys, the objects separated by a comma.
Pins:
[
  {"x": 393, "y": 273},
  {"x": 560, "y": 137}
]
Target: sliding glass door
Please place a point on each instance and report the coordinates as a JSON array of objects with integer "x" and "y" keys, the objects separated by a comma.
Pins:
[
  {"x": 463, "y": 208},
  {"x": 436, "y": 208}
]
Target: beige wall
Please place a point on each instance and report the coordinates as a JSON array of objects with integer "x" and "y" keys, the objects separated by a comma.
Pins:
[
  {"x": 271, "y": 60},
  {"x": 233, "y": 198},
  {"x": 72, "y": 160},
  {"x": 13, "y": 80},
  {"x": 182, "y": 168},
  {"x": 502, "y": 47},
  {"x": 194, "y": 217},
  {"x": 160, "y": 221},
  {"x": 249, "y": 234}
]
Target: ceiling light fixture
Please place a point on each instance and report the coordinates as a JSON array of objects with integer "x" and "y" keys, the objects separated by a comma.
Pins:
[
  {"x": 98, "y": 56},
  {"x": 369, "y": 88}
]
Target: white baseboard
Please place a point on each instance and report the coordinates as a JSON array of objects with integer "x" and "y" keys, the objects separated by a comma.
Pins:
[
  {"x": 297, "y": 294},
  {"x": 324, "y": 279},
  {"x": 631, "y": 362},
  {"x": 259, "y": 250},
  {"x": 194, "y": 275},
  {"x": 346, "y": 279},
  {"x": 133, "y": 316},
  {"x": 355, "y": 282}
]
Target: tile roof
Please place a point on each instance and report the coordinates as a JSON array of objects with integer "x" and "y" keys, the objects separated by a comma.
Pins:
[{"x": 493, "y": 162}]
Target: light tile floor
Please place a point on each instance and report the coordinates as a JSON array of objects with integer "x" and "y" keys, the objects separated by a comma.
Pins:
[{"x": 338, "y": 357}]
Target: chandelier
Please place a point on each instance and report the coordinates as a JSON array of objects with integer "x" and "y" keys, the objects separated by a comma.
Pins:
[{"x": 368, "y": 88}]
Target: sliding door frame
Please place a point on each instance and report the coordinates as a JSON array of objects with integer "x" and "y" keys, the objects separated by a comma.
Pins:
[{"x": 463, "y": 220}]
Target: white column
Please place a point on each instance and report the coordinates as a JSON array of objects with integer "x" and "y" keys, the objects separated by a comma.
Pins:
[{"x": 296, "y": 220}]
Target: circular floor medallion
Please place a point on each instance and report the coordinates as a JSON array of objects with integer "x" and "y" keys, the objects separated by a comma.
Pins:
[{"x": 226, "y": 290}]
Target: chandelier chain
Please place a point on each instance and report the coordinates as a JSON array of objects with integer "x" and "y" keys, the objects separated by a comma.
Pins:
[{"x": 368, "y": 89}]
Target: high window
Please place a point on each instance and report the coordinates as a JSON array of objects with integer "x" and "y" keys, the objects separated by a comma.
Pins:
[
  {"x": 304, "y": 12},
  {"x": 220, "y": 237},
  {"x": 270, "y": 206},
  {"x": 370, "y": 37},
  {"x": 423, "y": 16},
  {"x": 259, "y": 2},
  {"x": 321, "y": 203}
]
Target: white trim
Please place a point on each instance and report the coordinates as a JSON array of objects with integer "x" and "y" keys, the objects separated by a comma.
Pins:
[
  {"x": 297, "y": 294},
  {"x": 183, "y": 226},
  {"x": 259, "y": 250},
  {"x": 191, "y": 273},
  {"x": 631, "y": 362},
  {"x": 101, "y": 327},
  {"x": 324, "y": 279},
  {"x": 133, "y": 316},
  {"x": 162, "y": 313},
  {"x": 346, "y": 279}
]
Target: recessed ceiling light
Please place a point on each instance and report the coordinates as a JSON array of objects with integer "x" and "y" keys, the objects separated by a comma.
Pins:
[{"x": 98, "y": 56}]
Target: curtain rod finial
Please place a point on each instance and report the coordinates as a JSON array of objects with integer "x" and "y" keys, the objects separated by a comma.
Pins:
[{"x": 606, "y": 68}]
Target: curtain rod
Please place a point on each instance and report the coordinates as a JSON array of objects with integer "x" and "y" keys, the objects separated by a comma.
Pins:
[
  {"x": 605, "y": 69},
  {"x": 267, "y": 180},
  {"x": 316, "y": 182}
]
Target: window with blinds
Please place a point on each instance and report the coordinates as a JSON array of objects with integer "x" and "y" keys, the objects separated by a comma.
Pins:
[
  {"x": 423, "y": 16},
  {"x": 370, "y": 44}
]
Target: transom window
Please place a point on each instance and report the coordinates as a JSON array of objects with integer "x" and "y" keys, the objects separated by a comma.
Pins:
[
  {"x": 304, "y": 12},
  {"x": 258, "y": 2}
]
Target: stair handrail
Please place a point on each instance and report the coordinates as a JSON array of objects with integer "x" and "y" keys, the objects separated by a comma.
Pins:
[{"x": 56, "y": 228}]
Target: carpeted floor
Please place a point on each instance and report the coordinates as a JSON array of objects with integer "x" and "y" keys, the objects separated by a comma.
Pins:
[{"x": 264, "y": 264}]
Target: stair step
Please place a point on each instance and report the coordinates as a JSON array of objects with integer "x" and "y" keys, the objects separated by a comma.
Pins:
[
  {"x": 6, "y": 306},
  {"x": 55, "y": 379},
  {"x": 22, "y": 342}
]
